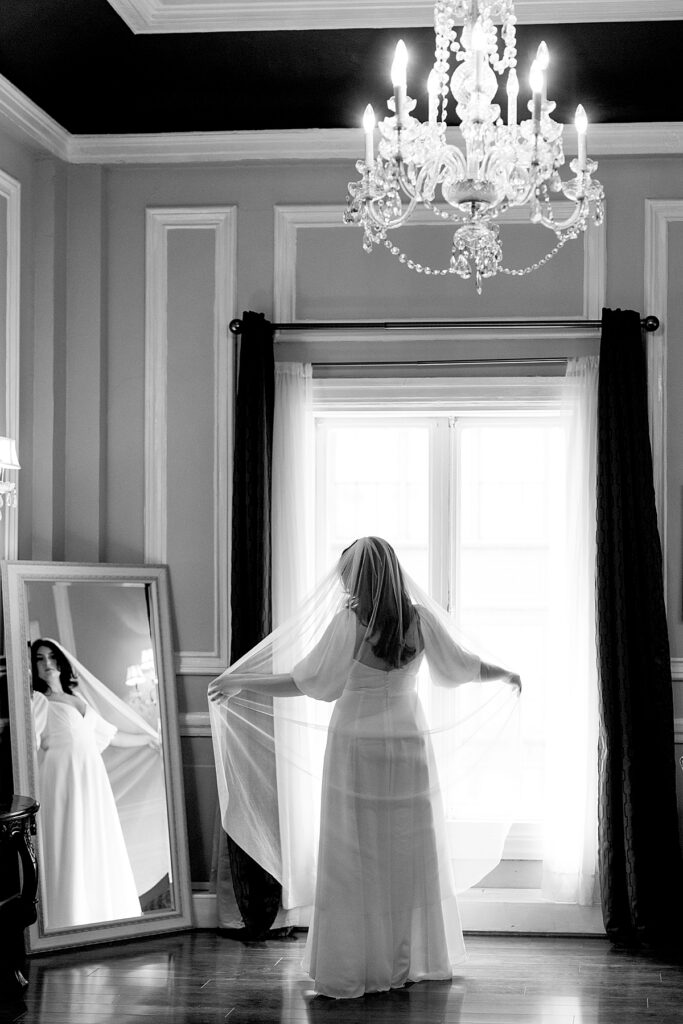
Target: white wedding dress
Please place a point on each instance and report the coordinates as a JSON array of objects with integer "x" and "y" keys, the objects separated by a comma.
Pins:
[
  {"x": 83, "y": 861},
  {"x": 381, "y": 893},
  {"x": 385, "y": 910}
]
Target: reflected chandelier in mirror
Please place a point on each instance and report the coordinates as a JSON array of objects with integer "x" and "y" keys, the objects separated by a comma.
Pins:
[{"x": 95, "y": 740}]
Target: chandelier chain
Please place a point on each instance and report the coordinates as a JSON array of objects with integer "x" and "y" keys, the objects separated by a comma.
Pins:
[{"x": 444, "y": 271}]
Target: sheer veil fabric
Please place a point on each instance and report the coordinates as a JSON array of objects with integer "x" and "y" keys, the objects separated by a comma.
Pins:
[{"x": 410, "y": 780}]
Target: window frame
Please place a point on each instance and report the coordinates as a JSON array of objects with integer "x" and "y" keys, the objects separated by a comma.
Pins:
[{"x": 441, "y": 403}]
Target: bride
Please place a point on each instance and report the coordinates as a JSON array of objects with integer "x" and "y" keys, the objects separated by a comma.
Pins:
[{"x": 384, "y": 911}]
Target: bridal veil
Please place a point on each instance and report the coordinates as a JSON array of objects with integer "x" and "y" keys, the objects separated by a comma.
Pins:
[{"x": 470, "y": 728}]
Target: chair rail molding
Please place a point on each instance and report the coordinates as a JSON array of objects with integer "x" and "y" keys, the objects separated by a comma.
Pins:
[
  {"x": 160, "y": 222},
  {"x": 194, "y": 723}
]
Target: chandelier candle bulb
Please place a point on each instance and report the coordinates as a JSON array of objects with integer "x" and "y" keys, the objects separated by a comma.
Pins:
[
  {"x": 536, "y": 83},
  {"x": 398, "y": 80},
  {"x": 513, "y": 92},
  {"x": 543, "y": 60},
  {"x": 581, "y": 122},
  {"x": 369, "y": 129},
  {"x": 478, "y": 46}
]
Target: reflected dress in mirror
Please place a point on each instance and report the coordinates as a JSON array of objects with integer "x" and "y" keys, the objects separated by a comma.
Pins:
[{"x": 86, "y": 872}]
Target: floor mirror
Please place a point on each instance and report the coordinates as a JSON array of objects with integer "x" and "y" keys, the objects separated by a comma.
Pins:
[{"x": 94, "y": 732}]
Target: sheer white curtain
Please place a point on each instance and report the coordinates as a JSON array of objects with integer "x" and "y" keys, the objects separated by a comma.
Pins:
[
  {"x": 292, "y": 495},
  {"x": 292, "y": 579},
  {"x": 571, "y": 726}
]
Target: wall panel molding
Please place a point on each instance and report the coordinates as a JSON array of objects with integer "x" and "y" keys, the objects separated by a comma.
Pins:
[
  {"x": 659, "y": 213},
  {"x": 289, "y": 220},
  {"x": 10, "y": 189},
  {"x": 161, "y": 221}
]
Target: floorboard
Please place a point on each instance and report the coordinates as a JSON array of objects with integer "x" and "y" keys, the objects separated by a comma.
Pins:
[{"x": 205, "y": 978}]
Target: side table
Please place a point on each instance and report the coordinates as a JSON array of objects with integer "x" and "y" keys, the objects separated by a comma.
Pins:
[{"x": 19, "y": 874}]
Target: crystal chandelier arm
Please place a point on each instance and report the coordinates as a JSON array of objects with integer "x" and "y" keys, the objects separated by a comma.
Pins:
[
  {"x": 585, "y": 192},
  {"x": 448, "y": 165},
  {"x": 385, "y": 214},
  {"x": 578, "y": 217},
  {"x": 579, "y": 213}
]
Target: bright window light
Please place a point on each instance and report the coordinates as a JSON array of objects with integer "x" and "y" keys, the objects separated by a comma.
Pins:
[{"x": 488, "y": 505}]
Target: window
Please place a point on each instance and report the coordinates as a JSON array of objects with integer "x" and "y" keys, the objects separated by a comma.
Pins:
[{"x": 471, "y": 496}]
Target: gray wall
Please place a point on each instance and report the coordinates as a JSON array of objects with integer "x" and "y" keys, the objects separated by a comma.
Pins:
[{"x": 83, "y": 364}]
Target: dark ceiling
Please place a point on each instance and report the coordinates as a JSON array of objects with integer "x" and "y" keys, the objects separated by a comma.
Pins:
[{"x": 83, "y": 66}]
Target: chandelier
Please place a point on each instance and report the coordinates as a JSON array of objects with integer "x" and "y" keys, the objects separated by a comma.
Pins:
[{"x": 499, "y": 165}]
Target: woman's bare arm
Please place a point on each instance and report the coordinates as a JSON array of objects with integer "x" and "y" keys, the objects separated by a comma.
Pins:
[
  {"x": 491, "y": 673},
  {"x": 230, "y": 683},
  {"x": 133, "y": 739}
]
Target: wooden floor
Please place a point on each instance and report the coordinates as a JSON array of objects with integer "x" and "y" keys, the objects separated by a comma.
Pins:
[{"x": 203, "y": 977}]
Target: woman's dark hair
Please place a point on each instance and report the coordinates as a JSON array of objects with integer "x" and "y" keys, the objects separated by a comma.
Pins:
[
  {"x": 378, "y": 592},
  {"x": 67, "y": 676}
]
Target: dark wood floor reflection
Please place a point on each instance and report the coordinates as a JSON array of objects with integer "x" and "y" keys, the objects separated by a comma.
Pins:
[{"x": 203, "y": 977}]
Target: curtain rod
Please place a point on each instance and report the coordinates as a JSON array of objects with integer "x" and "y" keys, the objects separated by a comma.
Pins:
[
  {"x": 522, "y": 361},
  {"x": 648, "y": 323}
]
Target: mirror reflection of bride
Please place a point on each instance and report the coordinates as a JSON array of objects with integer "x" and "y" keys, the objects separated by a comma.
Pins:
[{"x": 86, "y": 870}]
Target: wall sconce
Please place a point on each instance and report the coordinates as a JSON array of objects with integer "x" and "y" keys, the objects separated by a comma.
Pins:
[
  {"x": 147, "y": 665},
  {"x": 134, "y": 676},
  {"x": 143, "y": 679},
  {"x": 8, "y": 461}
]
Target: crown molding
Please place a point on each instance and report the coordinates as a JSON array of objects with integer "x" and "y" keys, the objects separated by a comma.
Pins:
[
  {"x": 26, "y": 121},
  {"x": 162, "y": 16},
  {"x": 222, "y": 147},
  {"x": 646, "y": 138},
  {"x": 328, "y": 144}
]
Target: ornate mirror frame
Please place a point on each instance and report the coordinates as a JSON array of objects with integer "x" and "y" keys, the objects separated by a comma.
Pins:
[{"x": 16, "y": 575}]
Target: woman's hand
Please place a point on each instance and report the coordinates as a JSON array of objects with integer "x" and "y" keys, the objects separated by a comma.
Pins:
[
  {"x": 133, "y": 739},
  {"x": 492, "y": 673},
  {"x": 155, "y": 741},
  {"x": 223, "y": 687},
  {"x": 230, "y": 683}
]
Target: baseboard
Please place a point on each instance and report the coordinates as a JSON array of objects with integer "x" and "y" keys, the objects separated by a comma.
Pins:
[
  {"x": 525, "y": 910},
  {"x": 205, "y": 913},
  {"x": 481, "y": 910}
]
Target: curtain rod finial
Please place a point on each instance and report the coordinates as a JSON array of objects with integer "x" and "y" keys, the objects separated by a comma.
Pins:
[
  {"x": 235, "y": 326},
  {"x": 651, "y": 323}
]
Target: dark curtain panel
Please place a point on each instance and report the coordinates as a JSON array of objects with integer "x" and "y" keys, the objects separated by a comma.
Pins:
[
  {"x": 640, "y": 859},
  {"x": 257, "y": 893}
]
